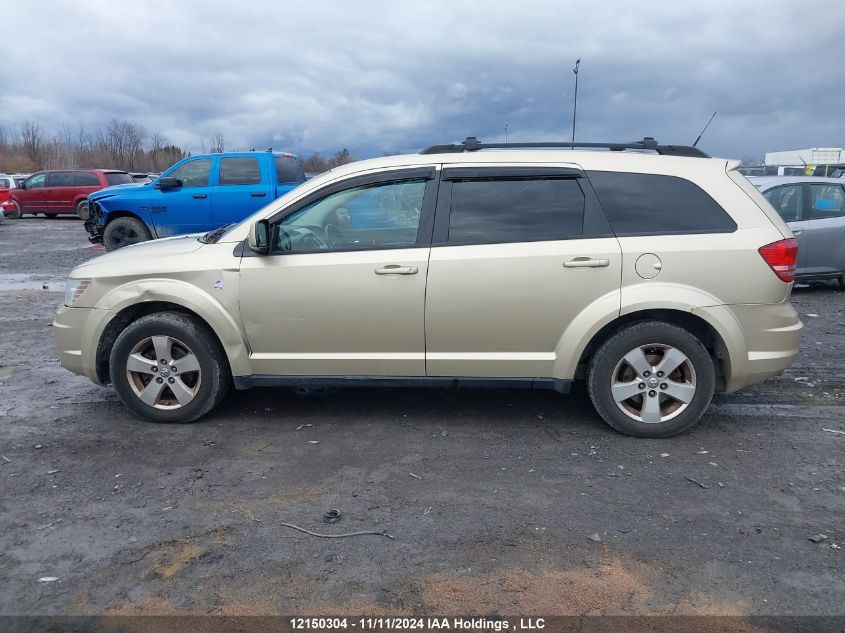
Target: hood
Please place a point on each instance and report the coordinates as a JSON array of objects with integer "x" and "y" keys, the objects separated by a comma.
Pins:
[
  {"x": 155, "y": 253},
  {"x": 114, "y": 190}
]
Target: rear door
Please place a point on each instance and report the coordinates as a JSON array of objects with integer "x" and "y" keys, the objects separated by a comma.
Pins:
[
  {"x": 243, "y": 187},
  {"x": 825, "y": 233},
  {"x": 518, "y": 252},
  {"x": 788, "y": 201},
  {"x": 58, "y": 194},
  {"x": 30, "y": 196},
  {"x": 187, "y": 208}
]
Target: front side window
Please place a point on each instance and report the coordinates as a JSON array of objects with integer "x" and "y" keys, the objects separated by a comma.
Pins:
[
  {"x": 85, "y": 179},
  {"x": 826, "y": 201},
  {"x": 239, "y": 171},
  {"x": 499, "y": 210},
  {"x": 786, "y": 201},
  {"x": 650, "y": 204},
  {"x": 194, "y": 173},
  {"x": 361, "y": 218},
  {"x": 60, "y": 179},
  {"x": 36, "y": 181}
]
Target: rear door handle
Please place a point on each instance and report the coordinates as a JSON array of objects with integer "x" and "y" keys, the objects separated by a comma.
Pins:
[
  {"x": 586, "y": 262},
  {"x": 396, "y": 269},
  {"x": 797, "y": 231},
  {"x": 200, "y": 196},
  {"x": 258, "y": 194}
]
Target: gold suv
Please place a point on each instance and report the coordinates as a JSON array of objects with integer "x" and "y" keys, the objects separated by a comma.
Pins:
[{"x": 653, "y": 272}]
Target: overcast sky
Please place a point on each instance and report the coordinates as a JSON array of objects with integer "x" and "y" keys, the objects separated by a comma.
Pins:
[{"x": 395, "y": 76}]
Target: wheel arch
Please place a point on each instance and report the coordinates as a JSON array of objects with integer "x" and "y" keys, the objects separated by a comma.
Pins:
[{"x": 182, "y": 299}]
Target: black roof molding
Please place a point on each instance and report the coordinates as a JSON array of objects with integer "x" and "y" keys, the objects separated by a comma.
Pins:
[{"x": 472, "y": 144}]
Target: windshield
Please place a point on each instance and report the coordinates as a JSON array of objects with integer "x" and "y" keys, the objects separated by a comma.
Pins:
[{"x": 118, "y": 178}]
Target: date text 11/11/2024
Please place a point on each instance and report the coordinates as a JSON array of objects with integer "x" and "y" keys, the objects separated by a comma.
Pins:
[{"x": 415, "y": 624}]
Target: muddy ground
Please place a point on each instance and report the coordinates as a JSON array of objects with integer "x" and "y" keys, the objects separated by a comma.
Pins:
[{"x": 490, "y": 497}]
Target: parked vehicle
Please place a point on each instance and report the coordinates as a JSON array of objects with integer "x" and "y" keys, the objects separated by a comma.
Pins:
[
  {"x": 7, "y": 183},
  {"x": 61, "y": 191},
  {"x": 814, "y": 209},
  {"x": 657, "y": 279},
  {"x": 198, "y": 194},
  {"x": 140, "y": 178}
]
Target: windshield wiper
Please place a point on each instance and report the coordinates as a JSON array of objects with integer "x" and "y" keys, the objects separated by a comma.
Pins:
[{"x": 212, "y": 236}]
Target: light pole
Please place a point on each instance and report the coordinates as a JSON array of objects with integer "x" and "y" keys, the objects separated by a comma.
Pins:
[
  {"x": 575, "y": 102},
  {"x": 506, "y": 132}
]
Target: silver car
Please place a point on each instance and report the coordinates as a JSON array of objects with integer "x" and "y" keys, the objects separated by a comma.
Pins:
[{"x": 814, "y": 208}]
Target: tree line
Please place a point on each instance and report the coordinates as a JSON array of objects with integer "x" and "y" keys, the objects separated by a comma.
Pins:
[{"x": 120, "y": 144}]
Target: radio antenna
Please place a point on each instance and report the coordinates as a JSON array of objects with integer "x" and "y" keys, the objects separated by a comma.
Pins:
[{"x": 704, "y": 130}]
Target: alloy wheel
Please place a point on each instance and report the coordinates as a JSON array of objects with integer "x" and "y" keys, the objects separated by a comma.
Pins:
[{"x": 163, "y": 372}]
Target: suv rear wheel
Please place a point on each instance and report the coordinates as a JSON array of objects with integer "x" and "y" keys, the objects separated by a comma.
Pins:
[
  {"x": 167, "y": 367},
  {"x": 15, "y": 213},
  {"x": 124, "y": 231},
  {"x": 651, "y": 379}
]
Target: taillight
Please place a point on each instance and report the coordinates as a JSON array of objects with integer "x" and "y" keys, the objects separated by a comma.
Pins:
[{"x": 781, "y": 257}]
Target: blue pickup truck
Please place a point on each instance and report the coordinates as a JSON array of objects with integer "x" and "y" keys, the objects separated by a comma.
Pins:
[{"x": 198, "y": 194}]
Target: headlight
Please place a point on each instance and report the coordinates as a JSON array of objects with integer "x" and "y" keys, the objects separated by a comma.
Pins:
[{"x": 74, "y": 290}]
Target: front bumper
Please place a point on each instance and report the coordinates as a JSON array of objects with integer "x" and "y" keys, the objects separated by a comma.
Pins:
[
  {"x": 93, "y": 225},
  {"x": 77, "y": 332}
]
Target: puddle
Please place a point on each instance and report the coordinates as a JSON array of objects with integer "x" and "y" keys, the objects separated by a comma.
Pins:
[{"x": 30, "y": 282}]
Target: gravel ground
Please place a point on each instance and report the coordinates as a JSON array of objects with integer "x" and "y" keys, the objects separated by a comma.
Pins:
[{"x": 496, "y": 502}]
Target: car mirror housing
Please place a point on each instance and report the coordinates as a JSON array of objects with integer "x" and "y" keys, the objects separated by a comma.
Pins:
[
  {"x": 168, "y": 182},
  {"x": 259, "y": 237}
]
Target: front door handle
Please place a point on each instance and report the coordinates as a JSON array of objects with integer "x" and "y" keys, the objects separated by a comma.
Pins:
[
  {"x": 258, "y": 194},
  {"x": 586, "y": 262},
  {"x": 200, "y": 196},
  {"x": 397, "y": 269}
]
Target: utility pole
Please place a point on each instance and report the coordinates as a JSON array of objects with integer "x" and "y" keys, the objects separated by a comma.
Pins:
[
  {"x": 506, "y": 132},
  {"x": 575, "y": 102}
]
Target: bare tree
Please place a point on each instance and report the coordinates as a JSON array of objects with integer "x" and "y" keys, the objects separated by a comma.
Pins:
[
  {"x": 123, "y": 141},
  {"x": 216, "y": 143},
  {"x": 33, "y": 142}
]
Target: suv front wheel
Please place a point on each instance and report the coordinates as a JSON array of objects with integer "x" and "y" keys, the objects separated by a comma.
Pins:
[
  {"x": 167, "y": 367},
  {"x": 651, "y": 379}
]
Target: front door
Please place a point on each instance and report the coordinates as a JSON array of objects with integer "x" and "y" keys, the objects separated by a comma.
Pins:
[
  {"x": 342, "y": 291},
  {"x": 187, "y": 208},
  {"x": 30, "y": 196},
  {"x": 514, "y": 260},
  {"x": 241, "y": 189}
]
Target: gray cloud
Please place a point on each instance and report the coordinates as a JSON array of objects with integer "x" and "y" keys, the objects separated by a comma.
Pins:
[{"x": 392, "y": 76}]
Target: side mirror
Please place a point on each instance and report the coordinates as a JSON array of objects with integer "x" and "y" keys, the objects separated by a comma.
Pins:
[
  {"x": 168, "y": 182},
  {"x": 259, "y": 237}
]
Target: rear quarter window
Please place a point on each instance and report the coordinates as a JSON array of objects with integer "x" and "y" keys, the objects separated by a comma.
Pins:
[
  {"x": 85, "y": 179},
  {"x": 289, "y": 169},
  {"x": 651, "y": 204}
]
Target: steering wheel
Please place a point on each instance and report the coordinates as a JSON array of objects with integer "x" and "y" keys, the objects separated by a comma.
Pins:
[
  {"x": 303, "y": 239},
  {"x": 332, "y": 234}
]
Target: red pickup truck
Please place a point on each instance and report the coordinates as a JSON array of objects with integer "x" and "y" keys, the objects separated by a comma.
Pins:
[{"x": 60, "y": 191}]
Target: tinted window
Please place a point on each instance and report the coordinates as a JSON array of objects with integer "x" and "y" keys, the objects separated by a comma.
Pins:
[
  {"x": 786, "y": 201},
  {"x": 60, "y": 179},
  {"x": 239, "y": 171},
  {"x": 826, "y": 201},
  {"x": 193, "y": 173},
  {"x": 361, "y": 218},
  {"x": 289, "y": 169},
  {"x": 36, "y": 181},
  {"x": 515, "y": 210},
  {"x": 648, "y": 204},
  {"x": 118, "y": 178},
  {"x": 4, "y": 183},
  {"x": 85, "y": 179}
]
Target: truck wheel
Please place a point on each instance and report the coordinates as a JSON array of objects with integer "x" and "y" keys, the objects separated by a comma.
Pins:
[
  {"x": 651, "y": 379},
  {"x": 167, "y": 367},
  {"x": 124, "y": 231},
  {"x": 15, "y": 213},
  {"x": 82, "y": 209}
]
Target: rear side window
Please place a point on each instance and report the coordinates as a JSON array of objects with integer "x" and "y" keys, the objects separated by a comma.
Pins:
[
  {"x": 826, "y": 201},
  {"x": 239, "y": 171},
  {"x": 515, "y": 210},
  {"x": 649, "y": 204},
  {"x": 118, "y": 178},
  {"x": 289, "y": 169},
  {"x": 60, "y": 179},
  {"x": 4, "y": 183},
  {"x": 85, "y": 179}
]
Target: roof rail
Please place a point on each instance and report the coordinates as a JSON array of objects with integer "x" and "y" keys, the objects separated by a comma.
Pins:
[{"x": 472, "y": 144}]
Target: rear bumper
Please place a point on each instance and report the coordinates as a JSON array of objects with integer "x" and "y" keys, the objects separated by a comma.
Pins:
[{"x": 771, "y": 335}]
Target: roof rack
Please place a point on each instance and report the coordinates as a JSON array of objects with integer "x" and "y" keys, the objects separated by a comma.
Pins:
[{"x": 472, "y": 144}]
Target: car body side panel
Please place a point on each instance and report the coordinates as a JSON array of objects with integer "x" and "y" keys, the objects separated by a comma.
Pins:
[{"x": 824, "y": 247}]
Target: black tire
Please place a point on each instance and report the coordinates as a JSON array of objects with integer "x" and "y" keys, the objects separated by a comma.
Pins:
[
  {"x": 124, "y": 231},
  {"x": 654, "y": 337},
  {"x": 211, "y": 381},
  {"x": 82, "y": 209},
  {"x": 841, "y": 281},
  {"x": 16, "y": 213}
]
